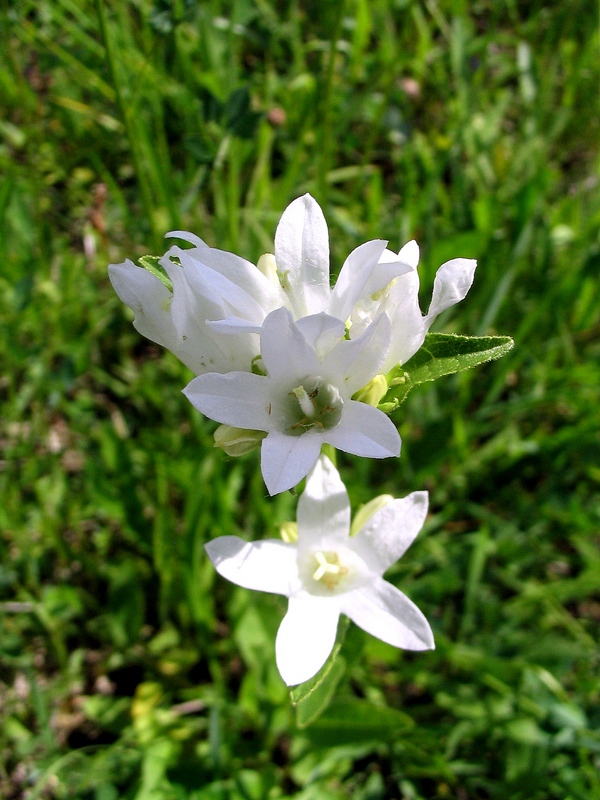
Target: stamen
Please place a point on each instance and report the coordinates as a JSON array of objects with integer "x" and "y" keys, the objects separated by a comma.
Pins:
[{"x": 326, "y": 567}]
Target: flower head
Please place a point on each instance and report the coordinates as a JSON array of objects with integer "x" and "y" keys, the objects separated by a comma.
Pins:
[
  {"x": 305, "y": 398},
  {"x": 327, "y": 572},
  {"x": 372, "y": 281},
  {"x": 212, "y": 315}
]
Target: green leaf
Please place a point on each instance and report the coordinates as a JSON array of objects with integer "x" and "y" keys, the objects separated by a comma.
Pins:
[
  {"x": 352, "y": 721},
  {"x": 442, "y": 354},
  {"x": 312, "y": 697},
  {"x": 152, "y": 264}
]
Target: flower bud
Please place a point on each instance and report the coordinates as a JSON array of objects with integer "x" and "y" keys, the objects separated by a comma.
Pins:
[
  {"x": 289, "y": 532},
  {"x": 373, "y": 392},
  {"x": 237, "y": 441},
  {"x": 364, "y": 513},
  {"x": 268, "y": 266}
]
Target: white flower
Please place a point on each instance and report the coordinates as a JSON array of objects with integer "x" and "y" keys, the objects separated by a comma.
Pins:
[
  {"x": 304, "y": 400},
  {"x": 373, "y": 280},
  {"x": 328, "y": 573},
  {"x": 400, "y": 301},
  {"x": 217, "y": 295},
  {"x": 208, "y": 285}
]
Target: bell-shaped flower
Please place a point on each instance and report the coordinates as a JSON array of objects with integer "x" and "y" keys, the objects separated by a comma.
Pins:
[
  {"x": 208, "y": 285},
  {"x": 400, "y": 301},
  {"x": 373, "y": 280},
  {"x": 327, "y": 572},
  {"x": 305, "y": 398},
  {"x": 215, "y": 292}
]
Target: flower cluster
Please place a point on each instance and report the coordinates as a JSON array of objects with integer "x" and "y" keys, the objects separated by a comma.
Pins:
[{"x": 284, "y": 360}]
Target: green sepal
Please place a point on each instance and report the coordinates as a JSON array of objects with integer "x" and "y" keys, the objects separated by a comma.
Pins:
[
  {"x": 441, "y": 354},
  {"x": 312, "y": 697},
  {"x": 152, "y": 264}
]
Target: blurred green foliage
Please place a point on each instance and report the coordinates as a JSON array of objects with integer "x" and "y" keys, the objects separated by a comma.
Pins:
[{"x": 127, "y": 669}]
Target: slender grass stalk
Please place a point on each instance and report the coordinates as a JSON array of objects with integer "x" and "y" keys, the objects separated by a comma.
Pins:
[
  {"x": 125, "y": 112},
  {"x": 326, "y": 130}
]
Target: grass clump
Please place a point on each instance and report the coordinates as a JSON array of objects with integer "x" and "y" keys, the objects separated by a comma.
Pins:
[{"x": 127, "y": 669}]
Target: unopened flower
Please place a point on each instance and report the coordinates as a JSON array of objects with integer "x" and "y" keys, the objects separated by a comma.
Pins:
[
  {"x": 327, "y": 572},
  {"x": 237, "y": 441},
  {"x": 304, "y": 400}
]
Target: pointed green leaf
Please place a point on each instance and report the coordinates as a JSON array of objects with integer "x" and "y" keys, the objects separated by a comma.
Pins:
[
  {"x": 152, "y": 264},
  {"x": 353, "y": 721},
  {"x": 442, "y": 354},
  {"x": 312, "y": 697}
]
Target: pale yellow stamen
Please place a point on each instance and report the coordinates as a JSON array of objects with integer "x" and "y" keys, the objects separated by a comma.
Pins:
[
  {"x": 330, "y": 571},
  {"x": 326, "y": 567}
]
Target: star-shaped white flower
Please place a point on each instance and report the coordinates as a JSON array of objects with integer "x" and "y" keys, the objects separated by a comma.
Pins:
[
  {"x": 327, "y": 572},
  {"x": 304, "y": 400}
]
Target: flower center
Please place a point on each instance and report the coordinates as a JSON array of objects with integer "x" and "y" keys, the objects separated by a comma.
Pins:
[
  {"x": 315, "y": 404},
  {"x": 329, "y": 571}
]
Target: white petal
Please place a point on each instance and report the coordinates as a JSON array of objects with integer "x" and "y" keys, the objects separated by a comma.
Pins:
[
  {"x": 188, "y": 310},
  {"x": 286, "y": 354},
  {"x": 354, "y": 276},
  {"x": 323, "y": 508},
  {"x": 239, "y": 272},
  {"x": 233, "y": 325},
  {"x": 237, "y": 398},
  {"x": 353, "y": 362},
  {"x": 452, "y": 282},
  {"x": 266, "y": 566},
  {"x": 302, "y": 254},
  {"x": 386, "y": 613},
  {"x": 306, "y": 637},
  {"x": 387, "y": 535},
  {"x": 383, "y": 274},
  {"x": 410, "y": 254},
  {"x": 285, "y": 460},
  {"x": 364, "y": 431},
  {"x": 220, "y": 289},
  {"x": 322, "y": 332},
  {"x": 148, "y": 297},
  {"x": 408, "y": 324},
  {"x": 187, "y": 237}
]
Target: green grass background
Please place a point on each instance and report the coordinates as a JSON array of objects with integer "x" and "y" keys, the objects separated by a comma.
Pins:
[{"x": 127, "y": 669}]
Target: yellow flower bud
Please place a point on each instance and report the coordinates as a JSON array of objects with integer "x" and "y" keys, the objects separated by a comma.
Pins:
[
  {"x": 373, "y": 392},
  {"x": 268, "y": 266},
  {"x": 289, "y": 532},
  {"x": 364, "y": 513},
  {"x": 237, "y": 441}
]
